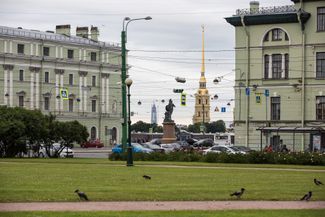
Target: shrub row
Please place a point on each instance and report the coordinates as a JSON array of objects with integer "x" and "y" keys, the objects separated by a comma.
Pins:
[{"x": 298, "y": 158}]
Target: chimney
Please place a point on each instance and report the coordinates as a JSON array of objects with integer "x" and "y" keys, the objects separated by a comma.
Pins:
[
  {"x": 94, "y": 33},
  {"x": 254, "y": 7},
  {"x": 63, "y": 29},
  {"x": 82, "y": 32}
]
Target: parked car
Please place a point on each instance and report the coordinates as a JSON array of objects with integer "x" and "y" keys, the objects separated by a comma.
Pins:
[
  {"x": 94, "y": 143},
  {"x": 219, "y": 149},
  {"x": 204, "y": 143},
  {"x": 64, "y": 152},
  {"x": 154, "y": 147},
  {"x": 242, "y": 149},
  {"x": 170, "y": 147},
  {"x": 136, "y": 148}
]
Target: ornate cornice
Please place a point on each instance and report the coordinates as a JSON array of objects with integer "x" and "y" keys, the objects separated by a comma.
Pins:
[
  {"x": 83, "y": 73},
  {"x": 34, "y": 69},
  {"x": 8, "y": 67},
  {"x": 59, "y": 71}
]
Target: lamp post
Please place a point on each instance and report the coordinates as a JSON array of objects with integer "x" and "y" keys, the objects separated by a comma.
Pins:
[
  {"x": 126, "y": 22},
  {"x": 129, "y": 160}
]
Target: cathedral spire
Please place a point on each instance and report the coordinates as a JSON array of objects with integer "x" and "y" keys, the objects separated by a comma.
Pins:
[{"x": 202, "y": 78}]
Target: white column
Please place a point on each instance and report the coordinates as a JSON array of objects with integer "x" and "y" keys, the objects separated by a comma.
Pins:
[
  {"x": 11, "y": 89},
  {"x": 56, "y": 91},
  {"x": 283, "y": 66},
  {"x": 37, "y": 96},
  {"x": 5, "y": 85},
  {"x": 61, "y": 85},
  {"x": 31, "y": 90},
  {"x": 85, "y": 55},
  {"x": 80, "y": 92},
  {"x": 5, "y": 46},
  {"x": 107, "y": 94},
  {"x": 61, "y": 52},
  {"x": 103, "y": 98},
  {"x": 36, "y": 50},
  {"x": 270, "y": 66},
  {"x": 56, "y": 52},
  {"x": 31, "y": 49},
  {"x": 80, "y": 55},
  {"x": 10, "y": 46},
  {"x": 85, "y": 94},
  {"x": 107, "y": 57}
]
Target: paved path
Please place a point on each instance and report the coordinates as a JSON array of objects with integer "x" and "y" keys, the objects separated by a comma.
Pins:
[{"x": 160, "y": 205}]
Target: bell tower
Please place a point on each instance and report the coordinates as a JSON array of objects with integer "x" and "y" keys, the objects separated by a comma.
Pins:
[{"x": 202, "y": 97}]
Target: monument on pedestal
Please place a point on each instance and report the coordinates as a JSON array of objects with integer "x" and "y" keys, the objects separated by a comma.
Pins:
[{"x": 168, "y": 124}]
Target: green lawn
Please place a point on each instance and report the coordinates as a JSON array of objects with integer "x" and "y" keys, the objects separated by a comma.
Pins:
[
  {"x": 56, "y": 180},
  {"x": 241, "y": 213}
]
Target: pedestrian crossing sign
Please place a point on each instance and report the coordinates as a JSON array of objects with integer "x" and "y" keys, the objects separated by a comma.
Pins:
[{"x": 64, "y": 93}]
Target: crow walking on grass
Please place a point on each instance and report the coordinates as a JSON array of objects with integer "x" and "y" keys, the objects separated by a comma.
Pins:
[
  {"x": 307, "y": 196},
  {"x": 317, "y": 182},
  {"x": 82, "y": 195},
  {"x": 146, "y": 177},
  {"x": 238, "y": 194}
]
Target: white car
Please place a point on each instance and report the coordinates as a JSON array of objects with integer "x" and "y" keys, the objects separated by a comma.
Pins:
[
  {"x": 55, "y": 147},
  {"x": 219, "y": 149}
]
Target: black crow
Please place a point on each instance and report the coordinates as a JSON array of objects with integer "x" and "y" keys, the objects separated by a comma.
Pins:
[
  {"x": 307, "y": 196},
  {"x": 238, "y": 194},
  {"x": 82, "y": 195},
  {"x": 146, "y": 177},
  {"x": 317, "y": 182}
]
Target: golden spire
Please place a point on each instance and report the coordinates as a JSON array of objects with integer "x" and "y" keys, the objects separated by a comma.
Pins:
[
  {"x": 202, "y": 78},
  {"x": 203, "y": 65}
]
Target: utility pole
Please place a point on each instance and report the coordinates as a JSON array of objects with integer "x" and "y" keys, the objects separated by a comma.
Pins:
[{"x": 123, "y": 77}]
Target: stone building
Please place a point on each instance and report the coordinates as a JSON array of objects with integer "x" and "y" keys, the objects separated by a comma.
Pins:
[
  {"x": 72, "y": 77},
  {"x": 280, "y": 75}
]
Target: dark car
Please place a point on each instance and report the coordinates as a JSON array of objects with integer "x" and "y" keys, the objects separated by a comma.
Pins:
[
  {"x": 204, "y": 143},
  {"x": 96, "y": 143},
  {"x": 154, "y": 147}
]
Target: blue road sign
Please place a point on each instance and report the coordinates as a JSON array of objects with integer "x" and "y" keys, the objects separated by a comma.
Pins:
[
  {"x": 248, "y": 91},
  {"x": 223, "y": 109},
  {"x": 267, "y": 92}
]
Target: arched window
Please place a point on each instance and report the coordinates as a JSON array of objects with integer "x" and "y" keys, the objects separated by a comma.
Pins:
[
  {"x": 93, "y": 133},
  {"x": 277, "y": 34}
]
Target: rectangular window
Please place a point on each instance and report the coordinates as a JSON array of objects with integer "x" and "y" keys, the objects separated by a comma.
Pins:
[
  {"x": 70, "y": 54},
  {"x": 21, "y": 75},
  {"x": 70, "y": 79},
  {"x": 46, "y": 77},
  {"x": 93, "y": 105},
  {"x": 93, "y": 81},
  {"x": 93, "y": 56},
  {"x": 320, "y": 108},
  {"x": 266, "y": 66},
  {"x": 321, "y": 19},
  {"x": 46, "y": 103},
  {"x": 286, "y": 66},
  {"x": 20, "y": 48},
  {"x": 320, "y": 65},
  {"x": 275, "y": 108},
  {"x": 70, "y": 105},
  {"x": 21, "y": 101},
  {"x": 46, "y": 51},
  {"x": 276, "y": 65},
  {"x": 276, "y": 34}
]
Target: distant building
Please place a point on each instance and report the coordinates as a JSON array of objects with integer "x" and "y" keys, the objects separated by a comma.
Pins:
[
  {"x": 280, "y": 75},
  {"x": 72, "y": 77},
  {"x": 202, "y": 97},
  {"x": 153, "y": 114}
]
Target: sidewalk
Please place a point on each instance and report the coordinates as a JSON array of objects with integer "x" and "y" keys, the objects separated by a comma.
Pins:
[{"x": 160, "y": 205}]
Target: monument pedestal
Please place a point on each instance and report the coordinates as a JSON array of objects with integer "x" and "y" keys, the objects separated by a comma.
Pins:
[{"x": 169, "y": 132}]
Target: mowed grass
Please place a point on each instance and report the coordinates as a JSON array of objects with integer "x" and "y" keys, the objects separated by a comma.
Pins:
[
  {"x": 55, "y": 180},
  {"x": 227, "y": 213}
]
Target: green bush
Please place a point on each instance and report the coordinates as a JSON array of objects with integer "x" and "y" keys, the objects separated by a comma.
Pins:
[{"x": 298, "y": 158}]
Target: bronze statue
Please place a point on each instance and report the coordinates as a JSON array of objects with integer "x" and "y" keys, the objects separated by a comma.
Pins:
[{"x": 169, "y": 111}]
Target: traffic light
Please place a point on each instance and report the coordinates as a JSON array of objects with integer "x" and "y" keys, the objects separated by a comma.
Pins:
[
  {"x": 178, "y": 90},
  {"x": 183, "y": 99}
]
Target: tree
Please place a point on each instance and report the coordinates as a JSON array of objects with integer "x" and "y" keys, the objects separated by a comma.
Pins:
[
  {"x": 216, "y": 126},
  {"x": 141, "y": 126}
]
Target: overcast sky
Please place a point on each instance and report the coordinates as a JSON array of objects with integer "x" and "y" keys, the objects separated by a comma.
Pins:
[{"x": 161, "y": 49}]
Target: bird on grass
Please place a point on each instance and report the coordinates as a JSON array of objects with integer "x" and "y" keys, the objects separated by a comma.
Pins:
[
  {"x": 307, "y": 196},
  {"x": 317, "y": 182},
  {"x": 82, "y": 195},
  {"x": 238, "y": 194},
  {"x": 146, "y": 177}
]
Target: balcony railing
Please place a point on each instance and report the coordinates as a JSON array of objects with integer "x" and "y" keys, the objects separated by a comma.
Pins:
[{"x": 267, "y": 10}]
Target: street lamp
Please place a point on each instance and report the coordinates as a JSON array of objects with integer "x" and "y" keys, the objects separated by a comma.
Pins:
[
  {"x": 126, "y": 22},
  {"x": 129, "y": 160}
]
